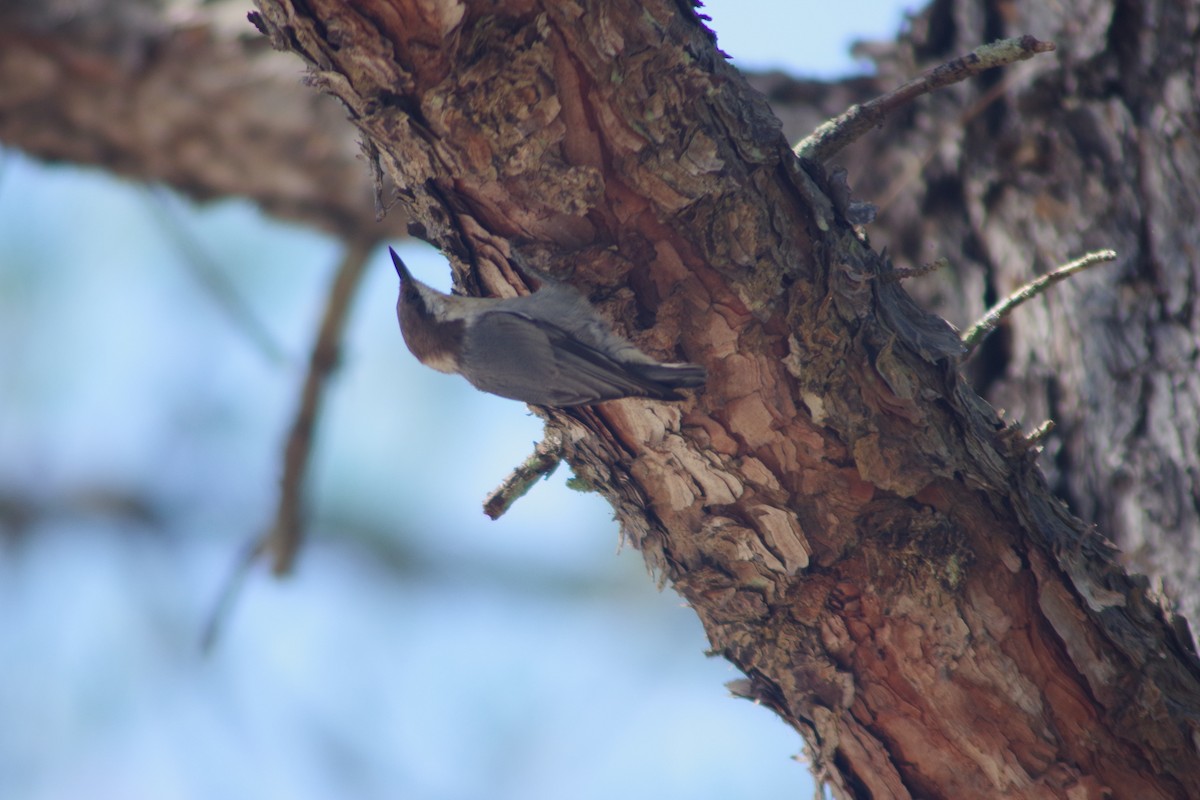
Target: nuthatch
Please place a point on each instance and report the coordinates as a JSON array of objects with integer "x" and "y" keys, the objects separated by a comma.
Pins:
[{"x": 549, "y": 348}]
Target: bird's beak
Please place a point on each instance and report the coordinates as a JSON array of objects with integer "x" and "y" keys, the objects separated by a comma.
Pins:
[{"x": 401, "y": 270}]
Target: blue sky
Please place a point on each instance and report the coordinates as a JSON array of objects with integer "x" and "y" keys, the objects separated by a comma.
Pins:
[{"x": 811, "y": 39}]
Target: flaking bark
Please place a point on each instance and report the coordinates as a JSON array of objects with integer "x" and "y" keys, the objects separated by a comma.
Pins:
[
  {"x": 858, "y": 531},
  {"x": 1015, "y": 174}
]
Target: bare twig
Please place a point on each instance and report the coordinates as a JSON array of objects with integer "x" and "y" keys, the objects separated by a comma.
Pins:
[
  {"x": 904, "y": 273},
  {"x": 228, "y": 593},
  {"x": 283, "y": 540},
  {"x": 285, "y": 535},
  {"x": 540, "y": 464},
  {"x": 988, "y": 322},
  {"x": 827, "y": 140},
  {"x": 1039, "y": 434}
]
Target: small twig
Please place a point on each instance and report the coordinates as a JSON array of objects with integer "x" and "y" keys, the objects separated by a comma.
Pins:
[
  {"x": 827, "y": 140},
  {"x": 211, "y": 276},
  {"x": 229, "y": 592},
  {"x": 285, "y": 535},
  {"x": 1039, "y": 434},
  {"x": 988, "y": 322},
  {"x": 284, "y": 538},
  {"x": 540, "y": 464},
  {"x": 904, "y": 273}
]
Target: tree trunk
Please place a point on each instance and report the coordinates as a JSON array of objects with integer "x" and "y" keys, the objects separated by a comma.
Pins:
[
  {"x": 857, "y": 530},
  {"x": 1096, "y": 148},
  {"x": 859, "y": 533}
]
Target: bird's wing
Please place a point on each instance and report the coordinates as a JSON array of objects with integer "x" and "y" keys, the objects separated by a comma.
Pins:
[{"x": 515, "y": 355}]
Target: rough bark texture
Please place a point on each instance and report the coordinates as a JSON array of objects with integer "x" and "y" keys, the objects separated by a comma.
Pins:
[
  {"x": 859, "y": 533},
  {"x": 857, "y": 530},
  {"x": 1098, "y": 147}
]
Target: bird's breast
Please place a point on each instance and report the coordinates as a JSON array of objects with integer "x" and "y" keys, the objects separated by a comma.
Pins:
[{"x": 436, "y": 344}]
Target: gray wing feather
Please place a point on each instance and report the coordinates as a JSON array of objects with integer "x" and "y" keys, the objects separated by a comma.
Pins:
[{"x": 523, "y": 358}]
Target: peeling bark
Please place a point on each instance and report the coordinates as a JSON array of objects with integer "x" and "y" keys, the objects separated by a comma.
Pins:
[
  {"x": 1012, "y": 176},
  {"x": 857, "y": 530}
]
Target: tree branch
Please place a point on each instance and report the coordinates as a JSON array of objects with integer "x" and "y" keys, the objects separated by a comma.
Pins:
[
  {"x": 986, "y": 324},
  {"x": 540, "y": 464},
  {"x": 283, "y": 540},
  {"x": 830, "y": 138},
  {"x": 172, "y": 97}
]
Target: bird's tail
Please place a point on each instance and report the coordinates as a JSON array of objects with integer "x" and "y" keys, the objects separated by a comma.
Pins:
[{"x": 668, "y": 377}]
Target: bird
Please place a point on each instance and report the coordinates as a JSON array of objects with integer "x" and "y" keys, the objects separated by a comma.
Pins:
[{"x": 548, "y": 348}]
